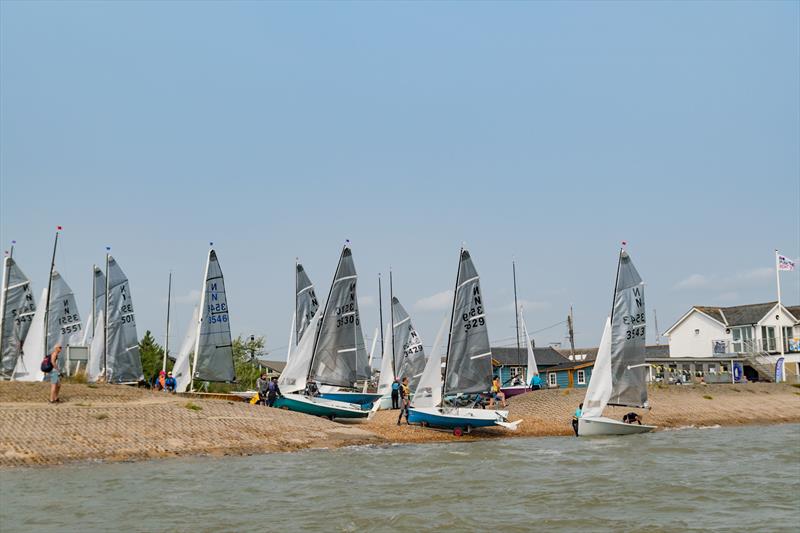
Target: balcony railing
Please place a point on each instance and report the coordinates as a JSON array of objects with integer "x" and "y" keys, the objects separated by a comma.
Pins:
[{"x": 752, "y": 346}]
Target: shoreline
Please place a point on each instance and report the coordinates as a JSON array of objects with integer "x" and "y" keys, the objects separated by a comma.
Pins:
[{"x": 112, "y": 423}]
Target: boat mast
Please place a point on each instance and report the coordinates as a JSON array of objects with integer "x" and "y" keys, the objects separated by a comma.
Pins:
[
  {"x": 105, "y": 319},
  {"x": 49, "y": 287},
  {"x": 6, "y": 276},
  {"x": 166, "y": 339},
  {"x": 380, "y": 313},
  {"x": 452, "y": 317},
  {"x": 200, "y": 317},
  {"x": 391, "y": 319},
  {"x": 296, "y": 316},
  {"x": 325, "y": 312},
  {"x": 516, "y": 309}
]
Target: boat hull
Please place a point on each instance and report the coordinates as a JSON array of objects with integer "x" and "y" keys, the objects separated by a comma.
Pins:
[
  {"x": 461, "y": 417},
  {"x": 602, "y": 426},
  {"x": 514, "y": 391},
  {"x": 320, "y": 407},
  {"x": 365, "y": 399}
]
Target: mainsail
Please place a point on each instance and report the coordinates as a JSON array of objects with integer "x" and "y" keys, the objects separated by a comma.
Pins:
[
  {"x": 306, "y": 303},
  {"x": 386, "y": 377},
  {"x": 213, "y": 354},
  {"x": 93, "y": 336},
  {"x": 340, "y": 357},
  {"x": 469, "y": 358},
  {"x": 28, "y": 367},
  {"x": 180, "y": 371},
  {"x": 64, "y": 320},
  {"x": 628, "y": 367},
  {"x": 123, "y": 361},
  {"x": 408, "y": 352},
  {"x": 429, "y": 389},
  {"x": 17, "y": 308},
  {"x": 600, "y": 385}
]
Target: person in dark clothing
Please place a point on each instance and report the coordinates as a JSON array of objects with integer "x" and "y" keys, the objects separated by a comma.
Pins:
[
  {"x": 578, "y": 413},
  {"x": 395, "y": 394},
  {"x": 262, "y": 386},
  {"x": 311, "y": 389},
  {"x": 273, "y": 391},
  {"x": 405, "y": 398},
  {"x": 632, "y": 417},
  {"x": 170, "y": 384}
]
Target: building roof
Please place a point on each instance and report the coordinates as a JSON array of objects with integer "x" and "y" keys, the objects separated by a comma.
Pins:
[
  {"x": 276, "y": 366},
  {"x": 795, "y": 310},
  {"x": 653, "y": 351},
  {"x": 545, "y": 356},
  {"x": 737, "y": 315}
]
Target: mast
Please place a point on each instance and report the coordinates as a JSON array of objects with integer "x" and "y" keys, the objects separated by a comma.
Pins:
[
  {"x": 94, "y": 305},
  {"x": 571, "y": 328},
  {"x": 391, "y": 319},
  {"x": 296, "y": 316},
  {"x": 452, "y": 317},
  {"x": 516, "y": 306},
  {"x": 616, "y": 280},
  {"x": 380, "y": 314},
  {"x": 105, "y": 319},
  {"x": 658, "y": 336},
  {"x": 325, "y": 311},
  {"x": 166, "y": 340},
  {"x": 4, "y": 293},
  {"x": 200, "y": 317},
  {"x": 49, "y": 287}
]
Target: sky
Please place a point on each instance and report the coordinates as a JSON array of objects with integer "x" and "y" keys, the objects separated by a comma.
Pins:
[{"x": 543, "y": 133}]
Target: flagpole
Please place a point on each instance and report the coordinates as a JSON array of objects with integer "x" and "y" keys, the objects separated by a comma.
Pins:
[{"x": 780, "y": 313}]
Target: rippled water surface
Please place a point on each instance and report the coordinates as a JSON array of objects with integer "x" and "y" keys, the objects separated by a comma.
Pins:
[{"x": 694, "y": 479}]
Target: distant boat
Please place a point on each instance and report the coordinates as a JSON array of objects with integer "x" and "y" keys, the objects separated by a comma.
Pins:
[
  {"x": 334, "y": 356},
  {"x": 619, "y": 372},
  {"x": 468, "y": 365},
  {"x": 520, "y": 384},
  {"x": 17, "y": 307}
]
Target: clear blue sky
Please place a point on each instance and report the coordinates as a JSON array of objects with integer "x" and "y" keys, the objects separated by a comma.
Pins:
[{"x": 548, "y": 132}]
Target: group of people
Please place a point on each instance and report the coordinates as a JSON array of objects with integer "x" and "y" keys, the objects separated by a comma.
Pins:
[
  {"x": 268, "y": 390},
  {"x": 165, "y": 382},
  {"x": 401, "y": 398}
]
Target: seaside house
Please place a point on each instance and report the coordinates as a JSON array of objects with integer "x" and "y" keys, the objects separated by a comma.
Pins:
[
  {"x": 509, "y": 364},
  {"x": 750, "y": 334}
]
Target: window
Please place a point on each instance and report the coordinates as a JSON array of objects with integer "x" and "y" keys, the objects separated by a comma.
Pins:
[
  {"x": 552, "y": 380},
  {"x": 768, "y": 339},
  {"x": 581, "y": 377},
  {"x": 742, "y": 339}
]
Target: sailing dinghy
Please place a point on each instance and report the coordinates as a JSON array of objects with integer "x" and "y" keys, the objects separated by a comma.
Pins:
[
  {"x": 468, "y": 365},
  {"x": 619, "y": 373},
  {"x": 332, "y": 353},
  {"x": 17, "y": 307}
]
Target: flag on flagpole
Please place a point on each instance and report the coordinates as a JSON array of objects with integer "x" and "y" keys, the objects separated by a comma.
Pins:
[{"x": 784, "y": 263}]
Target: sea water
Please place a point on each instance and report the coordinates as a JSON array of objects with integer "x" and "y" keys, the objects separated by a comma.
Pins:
[{"x": 726, "y": 479}]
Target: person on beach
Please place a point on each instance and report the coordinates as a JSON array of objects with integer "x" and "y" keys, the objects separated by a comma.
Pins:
[
  {"x": 53, "y": 375},
  {"x": 631, "y": 418},
  {"x": 170, "y": 384},
  {"x": 497, "y": 394},
  {"x": 262, "y": 386},
  {"x": 161, "y": 382},
  {"x": 273, "y": 391},
  {"x": 536, "y": 382},
  {"x": 575, "y": 417},
  {"x": 395, "y": 394},
  {"x": 311, "y": 389},
  {"x": 405, "y": 397}
]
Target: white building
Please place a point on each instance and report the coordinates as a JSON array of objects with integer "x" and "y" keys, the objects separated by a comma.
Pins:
[{"x": 747, "y": 330}]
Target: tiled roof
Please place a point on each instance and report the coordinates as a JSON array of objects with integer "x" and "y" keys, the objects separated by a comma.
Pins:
[
  {"x": 545, "y": 356},
  {"x": 654, "y": 351},
  {"x": 278, "y": 366},
  {"x": 746, "y": 315}
]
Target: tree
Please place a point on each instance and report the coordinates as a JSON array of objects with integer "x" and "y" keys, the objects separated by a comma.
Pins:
[
  {"x": 152, "y": 355},
  {"x": 245, "y": 365}
]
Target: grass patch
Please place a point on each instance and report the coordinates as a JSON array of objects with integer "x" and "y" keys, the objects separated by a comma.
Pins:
[
  {"x": 83, "y": 404},
  {"x": 193, "y": 406},
  {"x": 565, "y": 392},
  {"x": 707, "y": 397},
  {"x": 796, "y": 385},
  {"x": 798, "y": 393},
  {"x": 92, "y": 386},
  {"x": 101, "y": 416}
]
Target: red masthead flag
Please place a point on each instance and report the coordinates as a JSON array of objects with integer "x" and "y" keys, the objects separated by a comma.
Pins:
[{"x": 58, "y": 228}]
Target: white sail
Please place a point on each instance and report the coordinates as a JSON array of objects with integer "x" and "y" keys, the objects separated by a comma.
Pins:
[
  {"x": 28, "y": 367},
  {"x": 94, "y": 366},
  {"x": 600, "y": 385},
  {"x": 429, "y": 389},
  {"x": 533, "y": 368},
  {"x": 123, "y": 361},
  {"x": 180, "y": 371},
  {"x": 371, "y": 356},
  {"x": 386, "y": 378},
  {"x": 294, "y": 375},
  {"x": 17, "y": 308},
  {"x": 291, "y": 339}
]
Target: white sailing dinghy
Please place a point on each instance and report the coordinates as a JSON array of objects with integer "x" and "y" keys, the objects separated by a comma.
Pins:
[
  {"x": 17, "y": 307},
  {"x": 619, "y": 374},
  {"x": 94, "y": 336},
  {"x": 333, "y": 354},
  {"x": 181, "y": 370},
  {"x": 123, "y": 363},
  {"x": 468, "y": 365}
]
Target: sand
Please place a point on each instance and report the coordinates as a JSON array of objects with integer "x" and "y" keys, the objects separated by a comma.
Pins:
[{"x": 118, "y": 423}]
